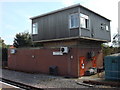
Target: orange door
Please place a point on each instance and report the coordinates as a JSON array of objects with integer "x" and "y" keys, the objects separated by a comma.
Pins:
[
  {"x": 82, "y": 68},
  {"x": 94, "y": 62}
]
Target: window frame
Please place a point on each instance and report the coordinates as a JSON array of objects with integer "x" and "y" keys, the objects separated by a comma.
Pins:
[
  {"x": 87, "y": 24},
  {"x": 107, "y": 28},
  {"x": 77, "y": 21},
  {"x": 104, "y": 27},
  {"x": 34, "y": 32}
]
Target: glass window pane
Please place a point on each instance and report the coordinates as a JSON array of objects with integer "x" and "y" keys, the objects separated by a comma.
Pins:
[
  {"x": 107, "y": 27},
  {"x": 84, "y": 21},
  {"x": 73, "y": 20},
  {"x": 35, "y": 28},
  {"x": 84, "y": 16}
]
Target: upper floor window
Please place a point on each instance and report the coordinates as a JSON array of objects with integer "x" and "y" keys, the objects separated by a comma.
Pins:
[
  {"x": 73, "y": 20},
  {"x": 84, "y": 21},
  {"x": 107, "y": 28},
  {"x": 35, "y": 28},
  {"x": 104, "y": 27}
]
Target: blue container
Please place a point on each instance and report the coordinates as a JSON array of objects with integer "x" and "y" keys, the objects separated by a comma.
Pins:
[{"x": 112, "y": 67}]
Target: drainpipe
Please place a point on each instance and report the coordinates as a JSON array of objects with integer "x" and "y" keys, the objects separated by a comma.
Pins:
[
  {"x": 79, "y": 21},
  {"x": 119, "y": 23}
]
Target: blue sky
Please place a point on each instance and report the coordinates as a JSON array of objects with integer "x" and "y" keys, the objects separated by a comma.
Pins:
[{"x": 14, "y": 16}]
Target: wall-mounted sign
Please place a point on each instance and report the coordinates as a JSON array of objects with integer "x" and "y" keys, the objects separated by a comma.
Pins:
[
  {"x": 12, "y": 51},
  {"x": 57, "y": 53}
]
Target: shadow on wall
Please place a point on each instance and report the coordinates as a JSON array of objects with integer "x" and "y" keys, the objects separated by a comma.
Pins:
[{"x": 4, "y": 57}]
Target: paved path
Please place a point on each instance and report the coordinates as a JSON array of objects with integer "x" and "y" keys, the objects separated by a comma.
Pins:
[{"x": 41, "y": 80}]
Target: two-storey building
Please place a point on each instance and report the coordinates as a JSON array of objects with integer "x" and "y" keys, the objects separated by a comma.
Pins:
[{"x": 71, "y": 39}]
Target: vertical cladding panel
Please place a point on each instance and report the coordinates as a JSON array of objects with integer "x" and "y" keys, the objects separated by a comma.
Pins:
[
  {"x": 112, "y": 69},
  {"x": 74, "y": 32},
  {"x": 85, "y": 32},
  {"x": 51, "y": 27},
  {"x": 45, "y": 28},
  {"x": 60, "y": 27},
  {"x": 55, "y": 25},
  {"x": 40, "y": 29},
  {"x": 108, "y": 64},
  {"x": 95, "y": 26}
]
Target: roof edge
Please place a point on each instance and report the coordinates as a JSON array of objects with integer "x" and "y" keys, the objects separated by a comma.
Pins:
[{"x": 65, "y": 8}]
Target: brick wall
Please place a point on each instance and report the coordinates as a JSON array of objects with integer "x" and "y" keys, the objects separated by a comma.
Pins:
[{"x": 39, "y": 60}]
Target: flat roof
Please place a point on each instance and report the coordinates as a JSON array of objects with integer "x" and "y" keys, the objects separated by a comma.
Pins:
[{"x": 69, "y": 7}]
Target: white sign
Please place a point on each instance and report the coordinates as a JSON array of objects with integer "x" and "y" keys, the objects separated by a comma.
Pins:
[
  {"x": 57, "y": 53},
  {"x": 12, "y": 51}
]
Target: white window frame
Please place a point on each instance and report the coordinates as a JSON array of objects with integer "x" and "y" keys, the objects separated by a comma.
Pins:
[
  {"x": 104, "y": 27},
  {"x": 35, "y": 28},
  {"x": 85, "y": 18},
  {"x": 75, "y": 20},
  {"x": 107, "y": 28}
]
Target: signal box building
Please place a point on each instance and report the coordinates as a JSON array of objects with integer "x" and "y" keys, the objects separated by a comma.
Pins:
[{"x": 71, "y": 39}]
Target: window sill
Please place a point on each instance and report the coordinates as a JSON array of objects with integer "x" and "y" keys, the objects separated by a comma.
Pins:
[
  {"x": 108, "y": 30},
  {"x": 34, "y": 34},
  {"x": 85, "y": 28},
  {"x": 105, "y": 30},
  {"x": 73, "y": 28}
]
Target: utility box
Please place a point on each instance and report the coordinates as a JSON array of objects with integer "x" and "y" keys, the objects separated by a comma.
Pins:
[
  {"x": 64, "y": 49},
  {"x": 112, "y": 67},
  {"x": 53, "y": 70},
  {"x": 12, "y": 51}
]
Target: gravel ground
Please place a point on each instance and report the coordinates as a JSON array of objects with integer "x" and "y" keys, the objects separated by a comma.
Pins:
[
  {"x": 41, "y": 80},
  {"x": 48, "y": 81}
]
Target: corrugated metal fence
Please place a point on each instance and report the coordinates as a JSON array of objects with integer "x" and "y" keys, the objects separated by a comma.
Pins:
[{"x": 112, "y": 67}]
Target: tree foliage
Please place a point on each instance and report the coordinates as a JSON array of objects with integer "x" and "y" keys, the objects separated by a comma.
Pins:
[
  {"x": 22, "y": 40},
  {"x": 2, "y": 44},
  {"x": 108, "y": 50}
]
